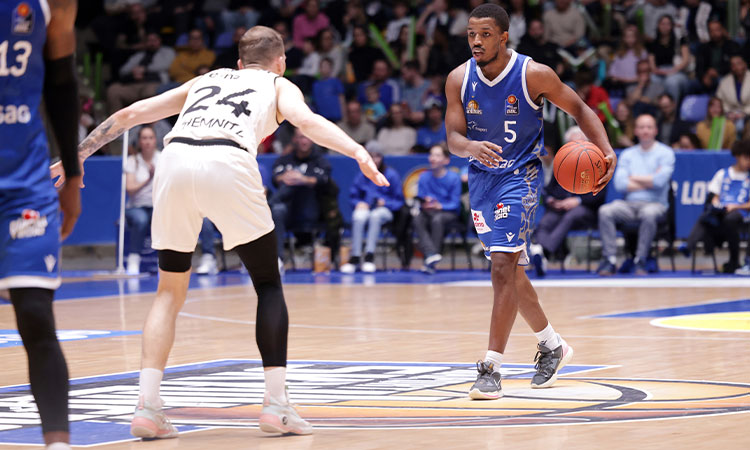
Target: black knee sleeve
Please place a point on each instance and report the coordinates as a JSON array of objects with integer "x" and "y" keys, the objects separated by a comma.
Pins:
[
  {"x": 48, "y": 372},
  {"x": 172, "y": 261},
  {"x": 272, "y": 321}
]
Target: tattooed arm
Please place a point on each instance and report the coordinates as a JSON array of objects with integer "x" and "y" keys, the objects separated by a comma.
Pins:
[{"x": 143, "y": 111}]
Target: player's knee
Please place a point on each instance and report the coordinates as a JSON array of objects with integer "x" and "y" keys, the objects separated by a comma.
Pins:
[
  {"x": 361, "y": 215},
  {"x": 36, "y": 322},
  {"x": 173, "y": 261}
]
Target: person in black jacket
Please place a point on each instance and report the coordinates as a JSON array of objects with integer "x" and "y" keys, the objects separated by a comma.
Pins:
[
  {"x": 563, "y": 212},
  {"x": 299, "y": 176}
]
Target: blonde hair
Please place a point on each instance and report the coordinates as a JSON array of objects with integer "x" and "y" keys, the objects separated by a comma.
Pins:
[{"x": 260, "y": 45}]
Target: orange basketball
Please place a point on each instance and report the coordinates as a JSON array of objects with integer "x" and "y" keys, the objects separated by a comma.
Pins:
[{"x": 578, "y": 166}]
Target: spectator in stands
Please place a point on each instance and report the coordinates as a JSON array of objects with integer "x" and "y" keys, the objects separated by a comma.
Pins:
[
  {"x": 671, "y": 127},
  {"x": 139, "y": 175},
  {"x": 594, "y": 96},
  {"x": 734, "y": 91},
  {"x": 228, "y": 58},
  {"x": 309, "y": 23},
  {"x": 240, "y": 13},
  {"x": 373, "y": 107},
  {"x": 400, "y": 19},
  {"x": 564, "y": 24},
  {"x": 433, "y": 132},
  {"x": 727, "y": 209},
  {"x": 381, "y": 78},
  {"x": 712, "y": 57},
  {"x": 643, "y": 173},
  {"x": 624, "y": 136},
  {"x": 688, "y": 142},
  {"x": 305, "y": 75},
  {"x": 373, "y": 206},
  {"x": 362, "y": 55},
  {"x": 669, "y": 58},
  {"x": 439, "y": 195},
  {"x": 446, "y": 52},
  {"x": 724, "y": 134},
  {"x": 141, "y": 75},
  {"x": 563, "y": 212},
  {"x": 329, "y": 48},
  {"x": 535, "y": 44},
  {"x": 622, "y": 72},
  {"x": 328, "y": 93},
  {"x": 692, "y": 19},
  {"x": 653, "y": 10},
  {"x": 642, "y": 97},
  {"x": 413, "y": 87},
  {"x": 396, "y": 137},
  {"x": 358, "y": 129},
  {"x": 297, "y": 175},
  {"x": 518, "y": 14},
  {"x": 293, "y": 54},
  {"x": 191, "y": 58},
  {"x": 131, "y": 35}
]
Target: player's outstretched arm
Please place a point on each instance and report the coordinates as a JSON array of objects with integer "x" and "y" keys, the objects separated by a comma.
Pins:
[
  {"x": 543, "y": 81},
  {"x": 144, "y": 111},
  {"x": 487, "y": 153},
  {"x": 292, "y": 107}
]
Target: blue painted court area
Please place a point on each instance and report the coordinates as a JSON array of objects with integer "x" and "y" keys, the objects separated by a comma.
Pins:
[
  {"x": 11, "y": 338},
  {"x": 705, "y": 308}
]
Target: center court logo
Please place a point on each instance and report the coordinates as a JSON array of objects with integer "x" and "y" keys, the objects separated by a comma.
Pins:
[{"x": 370, "y": 395}]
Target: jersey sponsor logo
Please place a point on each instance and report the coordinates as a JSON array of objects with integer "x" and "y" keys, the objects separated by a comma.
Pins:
[
  {"x": 22, "y": 20},
  {"x": 473, "y": 108},
  {"x": 502, "y": 211},
  {"x": 511, "y": 105},
  {"x": 10, "y": 114},
  {"x": 479, "y": 222},
  {"x": 366, "y": 395},
  {"x": 30, "y": 224},
  {"x": 474, "y": 127}
]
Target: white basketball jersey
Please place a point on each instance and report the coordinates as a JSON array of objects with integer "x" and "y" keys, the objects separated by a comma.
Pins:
[{"x": 239, "y": 105}]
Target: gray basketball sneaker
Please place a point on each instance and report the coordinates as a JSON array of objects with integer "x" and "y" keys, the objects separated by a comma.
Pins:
[
  {"x": 282, "y": 418},
  {"x": 549, "y": 362},
  {"x": 487, "y": 386}
]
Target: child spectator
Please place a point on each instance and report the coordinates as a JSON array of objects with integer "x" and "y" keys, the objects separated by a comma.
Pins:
[
  {"x": 727, "y": 209},
  {"x": 374, "y": 108}
]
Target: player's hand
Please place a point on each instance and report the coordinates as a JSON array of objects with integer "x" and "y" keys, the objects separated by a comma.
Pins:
[
  {"x": 70, "y": 204},
  {"x": 368, "y": 167},
  {"x": 611, "y": 163},
  {"x": 486, "y": 153},
  {"x": 56, "y": 171}
]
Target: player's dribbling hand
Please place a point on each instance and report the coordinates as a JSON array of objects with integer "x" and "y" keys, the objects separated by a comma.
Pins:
[
  {"x": 486, "y": 152},
  {"x": 70, "y": 204},
  {"x": 611, "y": 163},
  {"x": 56, "y": 171}
]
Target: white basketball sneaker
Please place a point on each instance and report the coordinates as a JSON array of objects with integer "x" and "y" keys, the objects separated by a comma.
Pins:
[
  {"x": 276, "y": 417},
  {"x": 150, "y": 422}
]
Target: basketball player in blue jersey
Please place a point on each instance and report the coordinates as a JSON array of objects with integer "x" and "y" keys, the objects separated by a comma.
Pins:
[
  {"x": 37, "y": 40},
  {"x": 494, "y": 118}
]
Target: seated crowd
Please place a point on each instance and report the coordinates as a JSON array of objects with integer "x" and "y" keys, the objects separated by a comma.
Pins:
[{"x": 661, "y": 75}]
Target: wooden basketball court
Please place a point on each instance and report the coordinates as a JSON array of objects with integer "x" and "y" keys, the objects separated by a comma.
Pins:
[{"x": 636, "y": 394}]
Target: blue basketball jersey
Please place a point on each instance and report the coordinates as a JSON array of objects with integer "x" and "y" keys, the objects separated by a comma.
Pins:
[
  {"x": 735, "y": 192},
  {"x": 24, "y": 155},
  {"x": 501, "y": 111}
]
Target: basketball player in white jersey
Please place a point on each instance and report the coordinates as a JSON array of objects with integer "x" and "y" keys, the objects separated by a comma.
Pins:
[{"x": 208, "y": 169}]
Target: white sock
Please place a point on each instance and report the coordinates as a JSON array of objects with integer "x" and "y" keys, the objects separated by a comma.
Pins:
[
  {"x": 276, "y": 383},
  {"x": 58, "y": 446},
  {"x": 549, "y": 338},
  {"x": 149, "y": 383},
  {"x": 612, "y": 260},
  {"x": 495, "y": 358}
]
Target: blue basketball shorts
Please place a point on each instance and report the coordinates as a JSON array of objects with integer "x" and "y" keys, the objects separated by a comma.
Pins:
[
  {"x": 503, "y": 207},
  {"x": 30, "y": 243}
]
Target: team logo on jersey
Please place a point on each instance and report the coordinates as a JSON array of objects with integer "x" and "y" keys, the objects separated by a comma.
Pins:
[
  {"x": 479, "y": 222},
  {"x": 511, "y": 105},
  {"x": 510, "y": 236},
  {"x": 473, "y": 108},
  {"x": 501, "y": 211},
  {"x": 30, "y": 224},
  {"x": 22, "y": 21}
]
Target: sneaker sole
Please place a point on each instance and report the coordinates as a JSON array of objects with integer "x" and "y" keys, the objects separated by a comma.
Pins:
[
  {"x": 565, "y": 360},
  {"x": 143, "y": 428},
  {"x": 476, "y": 394},
  {"x": 270, "y": 423}
]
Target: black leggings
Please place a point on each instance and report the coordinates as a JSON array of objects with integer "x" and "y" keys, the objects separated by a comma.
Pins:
[
  {"x": 48, "y": 372},
  {"x": 260, "y": 257}
]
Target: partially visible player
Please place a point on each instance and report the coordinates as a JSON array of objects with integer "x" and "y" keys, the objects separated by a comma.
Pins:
[
  {"x": 494, "y": 118},
  {"x": 208, "y": 169},
  {"x": 37, "y": 40}
]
